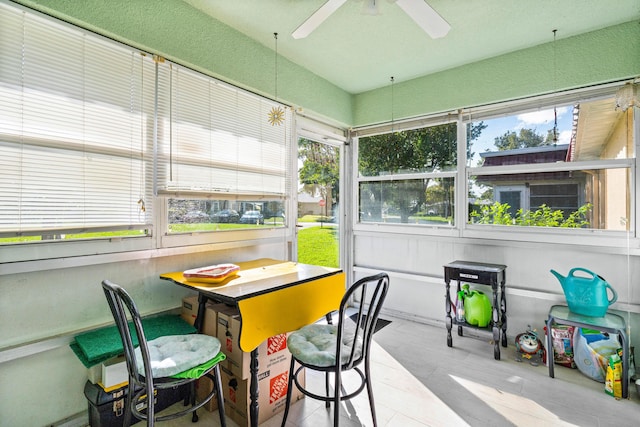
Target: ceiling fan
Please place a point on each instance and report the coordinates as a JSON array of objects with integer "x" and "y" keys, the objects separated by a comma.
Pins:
[{"x": 423, "y": 14}]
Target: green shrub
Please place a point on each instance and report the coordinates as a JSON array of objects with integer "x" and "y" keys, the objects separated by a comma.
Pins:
[{"x": 544, "y": 216}]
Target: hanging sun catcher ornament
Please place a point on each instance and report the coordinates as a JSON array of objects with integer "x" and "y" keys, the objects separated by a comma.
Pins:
[{"x": 276, "y": 114}]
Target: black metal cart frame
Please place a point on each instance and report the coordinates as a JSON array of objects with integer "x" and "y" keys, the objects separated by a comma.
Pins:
[{"x": 493, "y": 275}]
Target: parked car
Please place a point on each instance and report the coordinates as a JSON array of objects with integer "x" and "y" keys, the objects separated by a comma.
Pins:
[
  {"x": 226, "y": 215},
  {"x": 252, "y": 217},
  {"x": 195, "y": 216}
]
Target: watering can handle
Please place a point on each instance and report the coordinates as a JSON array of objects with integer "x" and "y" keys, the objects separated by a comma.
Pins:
[
  {"x": 593, "y": 275},
  {"x": 614, "y": 298}
]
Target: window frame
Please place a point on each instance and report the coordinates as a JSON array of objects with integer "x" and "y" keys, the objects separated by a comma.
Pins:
[
  {"x": 168, "y": 239},
  {"x": 588, "y": 237},
  {"x": 54, "y": 249},
  {"x": 462, "y": 228},
  {"x": 357, "y": 178},
  {"x": 30, "y": 256}
]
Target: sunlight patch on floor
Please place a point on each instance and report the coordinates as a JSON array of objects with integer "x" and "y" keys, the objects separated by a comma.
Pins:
[
  {"x": 398, "y": 390},
  {"x": 519, "y": 410}
]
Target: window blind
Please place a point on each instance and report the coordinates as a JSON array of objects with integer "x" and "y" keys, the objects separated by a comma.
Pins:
[
  {"x": 76, "y": 128},
  {"x": 219, "y": 142}
]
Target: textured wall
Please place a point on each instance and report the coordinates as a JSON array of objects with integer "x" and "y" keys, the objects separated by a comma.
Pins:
[
  {"x": 183, "y": 34},
  {"x": 601, "y": 56}
]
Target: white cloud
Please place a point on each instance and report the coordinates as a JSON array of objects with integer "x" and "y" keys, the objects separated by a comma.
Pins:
[
  {"x": 540, "y": 117},
  {"x": 543, "y": 120},
  {"x": 564, "y": 137}
]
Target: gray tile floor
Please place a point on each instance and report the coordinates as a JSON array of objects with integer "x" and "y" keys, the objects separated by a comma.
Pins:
[{"x": 419, "y": 381}]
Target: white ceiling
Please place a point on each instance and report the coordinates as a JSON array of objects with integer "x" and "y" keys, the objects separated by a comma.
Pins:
[{"x": 359, "y": 52}]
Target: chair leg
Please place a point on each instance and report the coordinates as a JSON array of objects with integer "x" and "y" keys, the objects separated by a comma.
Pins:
[
  {"x": 326, "y": 389},
  {"x": 126, "y": 422},
  {"x": 336, "y": 399},
  {"x": 370, "y": 392},
  {"x": 187, "y": 398},
  {"x": 289, "y": 391},
  {"x": 151, "y": 410},
  {"x": 192, "y": 401},
  {"x": 218, "y": 385}
]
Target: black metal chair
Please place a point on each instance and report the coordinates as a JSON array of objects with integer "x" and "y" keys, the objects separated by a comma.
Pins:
[
  {"x": 316, "y": 346},
  {"x": 163, "y": 363}
]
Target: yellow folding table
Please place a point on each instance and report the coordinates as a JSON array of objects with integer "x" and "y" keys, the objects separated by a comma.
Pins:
[{"x": 273, "y": 297}]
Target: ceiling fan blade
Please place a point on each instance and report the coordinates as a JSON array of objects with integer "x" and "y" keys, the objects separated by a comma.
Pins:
[
  {"x": 427, "y": 18},
  {"x": 317, "y": 18}
]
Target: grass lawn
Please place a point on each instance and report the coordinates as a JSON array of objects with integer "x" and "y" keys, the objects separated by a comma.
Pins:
[{"x": 318, "y": 246}]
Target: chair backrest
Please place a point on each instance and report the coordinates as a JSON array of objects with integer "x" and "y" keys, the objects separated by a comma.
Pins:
[
  {"x": 370, "y": 292},
  {"x": 122, "y": 306}
]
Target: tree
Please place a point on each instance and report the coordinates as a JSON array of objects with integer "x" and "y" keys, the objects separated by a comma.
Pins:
[
  {"x": 431, "y": 148},
  {"x": 525, "y": 138},
  {"x": 320, "y": 170}
]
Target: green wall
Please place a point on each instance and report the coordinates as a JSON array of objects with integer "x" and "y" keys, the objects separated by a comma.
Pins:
[
  {"x": 180, "y": 33},
  {"x": 601, "y": 56},
  {"x": 183, "y": 34}
]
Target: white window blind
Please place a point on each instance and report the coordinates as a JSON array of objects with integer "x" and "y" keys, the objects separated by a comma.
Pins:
[
  {"x": 219, "y": 142},
  {"x": 76, "y": 128}
]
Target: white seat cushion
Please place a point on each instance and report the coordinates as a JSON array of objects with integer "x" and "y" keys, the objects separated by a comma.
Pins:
[
  {"x": 316, "y": 345},
  {"x": 173, "y": 354}
]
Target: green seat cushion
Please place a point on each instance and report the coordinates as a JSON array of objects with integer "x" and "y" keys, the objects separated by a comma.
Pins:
[
  {"x": 317, "y": 344},
  {"x": 170, "y": 355}
]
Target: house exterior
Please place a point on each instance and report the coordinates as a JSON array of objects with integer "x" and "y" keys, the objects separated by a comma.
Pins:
[
  {"x": 598, "y": 133},
  {"x": 528, "y": 191},
  {"x": 309, "y": 205}
]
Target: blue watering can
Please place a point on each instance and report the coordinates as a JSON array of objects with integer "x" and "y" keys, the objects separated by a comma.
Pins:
[{"x": 586, "y": 295}]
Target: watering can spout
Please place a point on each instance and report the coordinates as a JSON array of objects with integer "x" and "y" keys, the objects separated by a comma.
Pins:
[{"x": 559, "y": 276}]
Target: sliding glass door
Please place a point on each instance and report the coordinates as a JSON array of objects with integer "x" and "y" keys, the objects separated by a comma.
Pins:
[{"x": 318, "y": 222}]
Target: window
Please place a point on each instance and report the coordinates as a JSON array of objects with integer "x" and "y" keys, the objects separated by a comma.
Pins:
[
  {"x": 219, "y": 156},
  {"x": 410, "y": 201},
  {"x": 407, "y": 177},
  {"x": 197, "y": 215},
  {"x": 100, "y": 142},
  {"x": 564, "y": 197},
  {"x": 569, "y": 167},
  {"x": 75, "y": 111},
  {"x": 553, "y": 163}
]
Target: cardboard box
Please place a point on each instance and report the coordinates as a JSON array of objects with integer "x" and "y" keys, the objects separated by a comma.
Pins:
[
  {"x": 210, "y": 326},
  {"x": 272, "y": 394},
  {"x": 114, "y": 373},
  {"x": 273, "y": 370},
  {"x": 273, "y": 374},
  {"x": 203, "y": 388},
  {"x": 270, "y": 352},
  {"x": 189, "y": 312}
]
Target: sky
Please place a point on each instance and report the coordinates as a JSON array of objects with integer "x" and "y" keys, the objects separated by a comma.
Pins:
[{"x": 540, "y": 121}]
